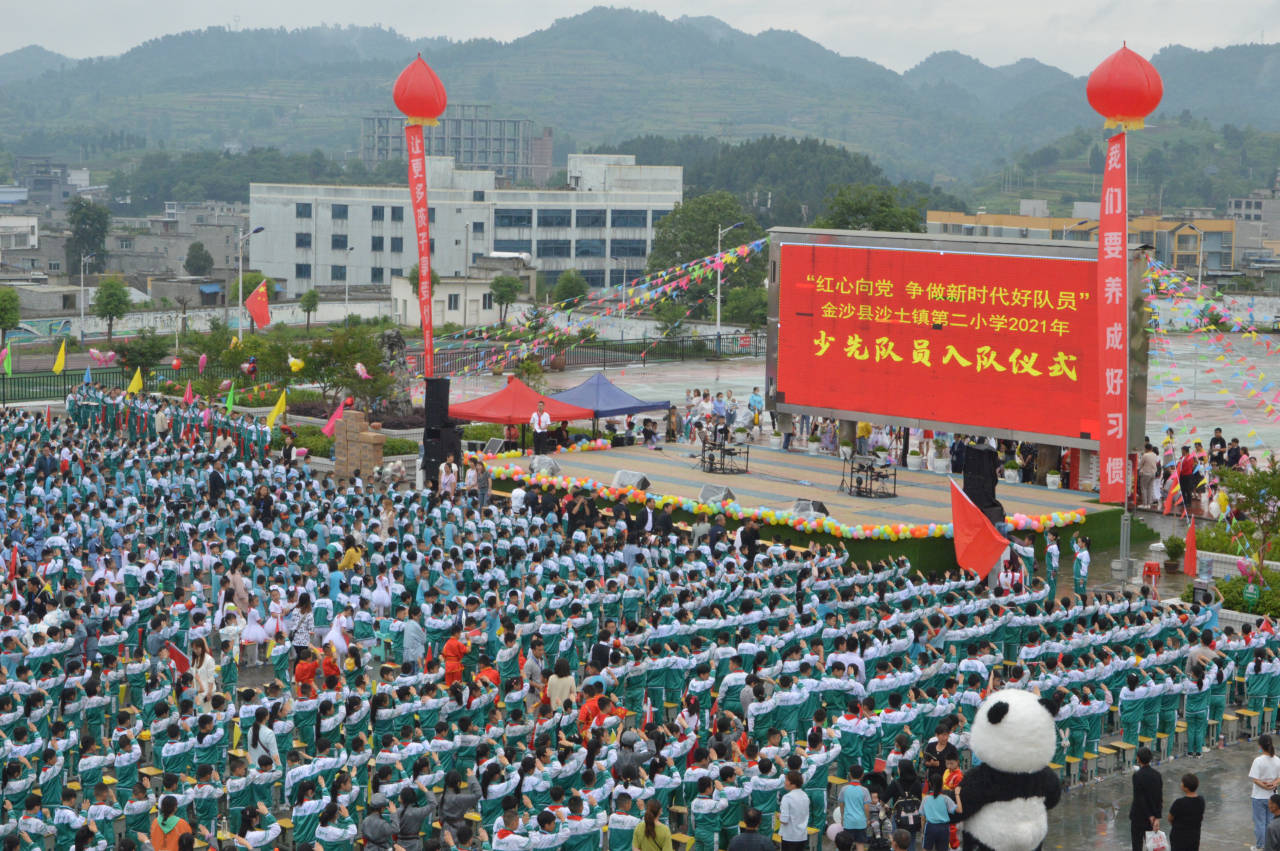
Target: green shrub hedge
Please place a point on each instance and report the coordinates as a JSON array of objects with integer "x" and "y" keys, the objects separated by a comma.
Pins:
[
  {"x": 481, "y": 431},
  {"x": 1215, "y": 538},
  {"x": 301, "y": 394},
  {"x": 307, "y": 436},
  {"x": 399, "y": 446},
  {"x": 315, "y": 442},
  {"x": 1233, "y": 594}
]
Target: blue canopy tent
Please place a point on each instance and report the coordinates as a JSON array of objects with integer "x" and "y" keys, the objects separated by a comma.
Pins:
[{"x": 606, "y": 399}]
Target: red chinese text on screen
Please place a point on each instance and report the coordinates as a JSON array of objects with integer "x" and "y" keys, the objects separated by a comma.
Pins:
[{"x": 979, "y": 340}]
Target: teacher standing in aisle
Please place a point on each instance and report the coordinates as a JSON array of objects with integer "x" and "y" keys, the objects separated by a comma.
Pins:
[{"x": 540, "y": 420}]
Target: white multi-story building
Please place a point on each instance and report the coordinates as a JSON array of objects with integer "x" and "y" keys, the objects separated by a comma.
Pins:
[
  {"x": 19, "y": 233},
  {"x": 602, "y": 224}
]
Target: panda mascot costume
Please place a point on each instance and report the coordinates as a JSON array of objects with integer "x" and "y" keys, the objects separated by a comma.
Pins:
[{"x": 1005, "y": 800}]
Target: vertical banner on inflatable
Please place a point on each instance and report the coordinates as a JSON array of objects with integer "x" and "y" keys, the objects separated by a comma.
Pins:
[
  {"x": 1113, "y": 322},
  {"x": 421, "y": 221}
]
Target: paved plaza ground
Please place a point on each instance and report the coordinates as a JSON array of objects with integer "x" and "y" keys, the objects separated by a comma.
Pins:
[
  {"x": 777, "y": 478},
  {"x": 1096, "y": 815}
]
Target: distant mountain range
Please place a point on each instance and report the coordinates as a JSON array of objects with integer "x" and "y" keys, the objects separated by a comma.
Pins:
[
  {"x": 28, "y": 62},
  {"x": 600, "y": 77}
]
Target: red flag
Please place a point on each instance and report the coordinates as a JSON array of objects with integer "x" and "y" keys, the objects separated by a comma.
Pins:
[
  {"x": 332, "y": 425},
  {"x": 978, "y": 544},
  {"x": 188, "y": 397},
  {"x": 256, "y": 304},
  {"x": 1189, "y": 559},
  {"x": 177, "y": 658},
  {"x": 48, "y": 417}
]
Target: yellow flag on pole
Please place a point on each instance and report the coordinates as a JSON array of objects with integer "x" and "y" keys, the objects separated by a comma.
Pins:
[
  {"x": 135, "y": 383},
  {"x": 60, "y": 362},
  {"x": 277, "y": 410}
]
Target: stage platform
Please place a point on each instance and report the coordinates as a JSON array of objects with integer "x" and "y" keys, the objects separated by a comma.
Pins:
[{"x": 779, "y": 478}]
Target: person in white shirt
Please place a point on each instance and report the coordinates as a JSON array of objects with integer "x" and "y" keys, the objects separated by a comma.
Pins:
[
  {"x": 794, "y": 814},
  {"x": 540, "y": 421},
  {"x": 1264, "y": 776}
]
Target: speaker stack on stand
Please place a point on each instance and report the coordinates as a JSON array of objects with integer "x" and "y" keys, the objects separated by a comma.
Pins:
[{"x": 441, "y": 436}]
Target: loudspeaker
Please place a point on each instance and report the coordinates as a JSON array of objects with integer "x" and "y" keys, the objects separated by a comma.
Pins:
[
  {"x": 437, "y": 445},
  {"x": 809, "y": 506},
  {"x": 716, "y": 494},
  {"x": 436, "y": 402},
  {"x": 630, "y": 479},
  {"x": 544, "y": 464},
  {"x": 980, "y": 465}
]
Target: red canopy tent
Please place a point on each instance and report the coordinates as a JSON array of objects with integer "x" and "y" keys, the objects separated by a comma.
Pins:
[{"x": 515, "y": 404}]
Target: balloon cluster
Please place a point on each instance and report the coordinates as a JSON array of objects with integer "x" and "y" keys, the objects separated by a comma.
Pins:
[
  {"x": 774, "y": 517},
  {"x": 596, "y": 445}
]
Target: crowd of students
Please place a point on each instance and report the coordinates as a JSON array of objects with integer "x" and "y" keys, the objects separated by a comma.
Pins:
[{"x": 444, "y": 671}]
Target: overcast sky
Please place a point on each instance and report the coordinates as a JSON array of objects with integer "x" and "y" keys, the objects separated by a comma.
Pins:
[{"x": 895, "y": 33}]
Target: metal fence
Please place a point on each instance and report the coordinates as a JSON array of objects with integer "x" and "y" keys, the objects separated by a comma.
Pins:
[
  {"x": 39, "y": 386},
  {"x": 606, "y": 353}
]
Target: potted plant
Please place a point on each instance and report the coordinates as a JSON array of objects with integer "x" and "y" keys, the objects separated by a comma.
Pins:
[
  {"x": 1012, "y": 474},
  {"x": 846, "y": 449},
  {"x": 775, "y": 440},
  {"x": 1053, "y": 480},
  {"x": 815, "y": 443},
  {"x": 914, "y": 459},
  {"x": 1174, "y": 549},
  {"x": 941, "y": 462}
]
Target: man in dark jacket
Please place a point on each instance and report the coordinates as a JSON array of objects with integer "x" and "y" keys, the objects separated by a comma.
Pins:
[
  {"x": 1148, "y": 799},
  {"x": 750, "y": 839},
  {"x": 217, "y": 483},
  {"x": 664, "y": 523}
]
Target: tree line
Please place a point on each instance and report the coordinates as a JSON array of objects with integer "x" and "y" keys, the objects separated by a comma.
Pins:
[
  {"x": 779, "y": 180},
  {"x": 212, "y": 176}
]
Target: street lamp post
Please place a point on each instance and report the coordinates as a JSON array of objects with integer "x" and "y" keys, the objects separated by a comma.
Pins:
[
  {"x": 84, "y": 259},
  {"x": 241, "y": 239},
  {"x": 720, "y": 232},
  {"x": 1069, "y": 228}
]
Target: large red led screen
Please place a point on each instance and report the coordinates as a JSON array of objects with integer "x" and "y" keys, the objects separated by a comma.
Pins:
[{"x": 997, "y": 341}]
